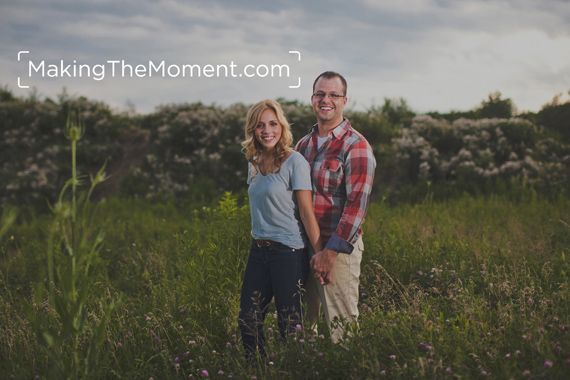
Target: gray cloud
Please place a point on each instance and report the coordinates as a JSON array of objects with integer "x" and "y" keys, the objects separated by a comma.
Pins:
[{"x": 439, "y": 55}]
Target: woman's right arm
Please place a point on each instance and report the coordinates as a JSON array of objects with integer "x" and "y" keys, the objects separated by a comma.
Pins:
[{"x": 305, "y": 200}]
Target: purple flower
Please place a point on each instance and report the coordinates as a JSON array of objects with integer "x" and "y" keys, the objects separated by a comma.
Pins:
[
  {"x": 448, "y": 370},
  {"x": 393, "y": 357},
  {"x": 176, "y": 359},
  {"x": 182, "y": 310},
  {"x": 526, "y": 373},
  {"x": 548, "y": 364},
  {"x": 220, "y": 372},
  {"x": 204, "y": 372},
  {"x": 298, "y": 327},
  {"x": 228, "y": 344}
]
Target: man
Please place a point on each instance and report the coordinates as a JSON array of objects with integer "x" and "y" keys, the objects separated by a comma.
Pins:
[{"x": 342, "y": 171}]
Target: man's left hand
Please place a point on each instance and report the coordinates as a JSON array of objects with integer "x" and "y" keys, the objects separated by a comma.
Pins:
[{"x": 322, "y": 264}]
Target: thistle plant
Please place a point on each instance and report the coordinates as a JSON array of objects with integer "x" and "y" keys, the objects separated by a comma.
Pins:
[{"x": 72, "y": 248}]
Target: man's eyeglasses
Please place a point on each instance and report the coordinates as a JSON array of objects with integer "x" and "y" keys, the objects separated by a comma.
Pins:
[{"x": 322, "y": 95}]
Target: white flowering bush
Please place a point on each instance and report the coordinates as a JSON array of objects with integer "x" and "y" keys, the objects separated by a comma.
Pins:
[
  {"x": 33, "y": 154},
  {"x": 476, "y": 151}
]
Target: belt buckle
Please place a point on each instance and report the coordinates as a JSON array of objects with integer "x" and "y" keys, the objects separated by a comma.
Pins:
[{"x": 262, "y": 243}]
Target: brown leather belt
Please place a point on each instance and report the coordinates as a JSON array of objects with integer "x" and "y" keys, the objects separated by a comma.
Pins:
[{"x": 264, "y": 243}]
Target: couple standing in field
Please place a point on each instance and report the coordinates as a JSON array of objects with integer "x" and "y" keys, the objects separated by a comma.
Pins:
[{"x": 318, "y": 192}]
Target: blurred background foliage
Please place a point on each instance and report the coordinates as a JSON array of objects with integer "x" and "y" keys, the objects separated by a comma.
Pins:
[{"x": 190, "y": 154}]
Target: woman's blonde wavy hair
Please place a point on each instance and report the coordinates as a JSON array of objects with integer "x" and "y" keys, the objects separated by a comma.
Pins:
[{"x": 252, "y": 148}]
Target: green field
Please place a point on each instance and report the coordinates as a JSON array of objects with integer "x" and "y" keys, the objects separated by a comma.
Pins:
[{"x": 469, "y": 288}]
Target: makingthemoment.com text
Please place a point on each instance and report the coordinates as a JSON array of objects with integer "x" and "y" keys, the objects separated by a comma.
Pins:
[{"x": 119, "y": 68}]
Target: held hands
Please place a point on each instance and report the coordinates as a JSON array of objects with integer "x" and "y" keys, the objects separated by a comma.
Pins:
[{"x": 322, "y": 264}]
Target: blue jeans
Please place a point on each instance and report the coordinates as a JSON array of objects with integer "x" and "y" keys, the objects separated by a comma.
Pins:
[{"x": 274, "y": 271}]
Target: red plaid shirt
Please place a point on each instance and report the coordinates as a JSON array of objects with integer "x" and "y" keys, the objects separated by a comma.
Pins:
[{"x": 342, "y": 172}]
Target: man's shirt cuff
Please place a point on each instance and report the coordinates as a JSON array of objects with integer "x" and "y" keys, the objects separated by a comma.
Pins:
[{"x": 339, "y": 245}]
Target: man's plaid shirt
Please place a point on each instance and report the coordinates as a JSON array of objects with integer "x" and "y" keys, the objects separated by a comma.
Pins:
[{"x": 342, "y": 172}]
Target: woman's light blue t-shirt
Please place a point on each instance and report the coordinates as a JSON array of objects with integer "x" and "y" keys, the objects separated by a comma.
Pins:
[{"x": 273, "y": 204}]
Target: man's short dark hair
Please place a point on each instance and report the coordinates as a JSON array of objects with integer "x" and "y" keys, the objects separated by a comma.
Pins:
[{"x": 330, "y": 75}]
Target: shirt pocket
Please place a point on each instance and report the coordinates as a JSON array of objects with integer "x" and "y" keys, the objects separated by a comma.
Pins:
[{"x": 333, "y": 174}]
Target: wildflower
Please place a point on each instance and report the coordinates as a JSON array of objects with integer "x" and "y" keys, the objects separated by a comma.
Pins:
[
  {"x": 192, "y": 342},
  {"x": 508, "y": 355},
  {"x": 270, "y": 330},
  {"x": 156, "y": 339},
  {"x": 393, "y": 357},
  {"x": 220, "y": 372},
  {"x": 484, "y": 373},
  {"x": 12, "y": 237},
  {"x": 119, "y": 344},
  {"x": 548, "y": 364},
  {"x": 320, "y": 354},
  {"x": 228, "y": 344},
  {"x": 271, "y": 363},
  {"x": 518, "y": 352},
  {"x": 182, "y": 310},
  {"x": 186, "y": 353},
  {"x": 148, "y": 318},
  {"x": 134, "y": 244},
  {"x": 529, "y": 300},
  {"x": 526, "y": 373},
  {"x": 176, "y": 359},
  {"x": 541, "y": 330},
  {"x": 272, "y": 355},
  {"x": 204, "y": 372},
  {"x": 428, "y": 347},
  {"x": 448, "y": 370},
  {"x": 420, "y": 272},
  {"x": 371, "y": 334},
  {"x": 298, "y": 327},
  {"x": 382, "y": 372},
  {"x": 301, "y": 340}
]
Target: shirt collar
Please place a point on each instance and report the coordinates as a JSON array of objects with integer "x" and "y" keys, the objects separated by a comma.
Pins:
[{"x": 339, "y": 130}]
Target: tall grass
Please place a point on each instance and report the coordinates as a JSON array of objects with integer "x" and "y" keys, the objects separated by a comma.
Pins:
[{"x": 470, "y": 288}]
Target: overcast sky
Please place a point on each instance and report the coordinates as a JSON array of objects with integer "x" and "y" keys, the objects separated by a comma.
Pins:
[{"x": 439, "y": 55}]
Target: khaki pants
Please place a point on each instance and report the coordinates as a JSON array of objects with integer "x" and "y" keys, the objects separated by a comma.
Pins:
[{"x": 340, "y": 298}]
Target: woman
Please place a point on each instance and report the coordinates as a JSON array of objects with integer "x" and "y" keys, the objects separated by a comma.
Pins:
[{"x": 281, "y": 205}]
